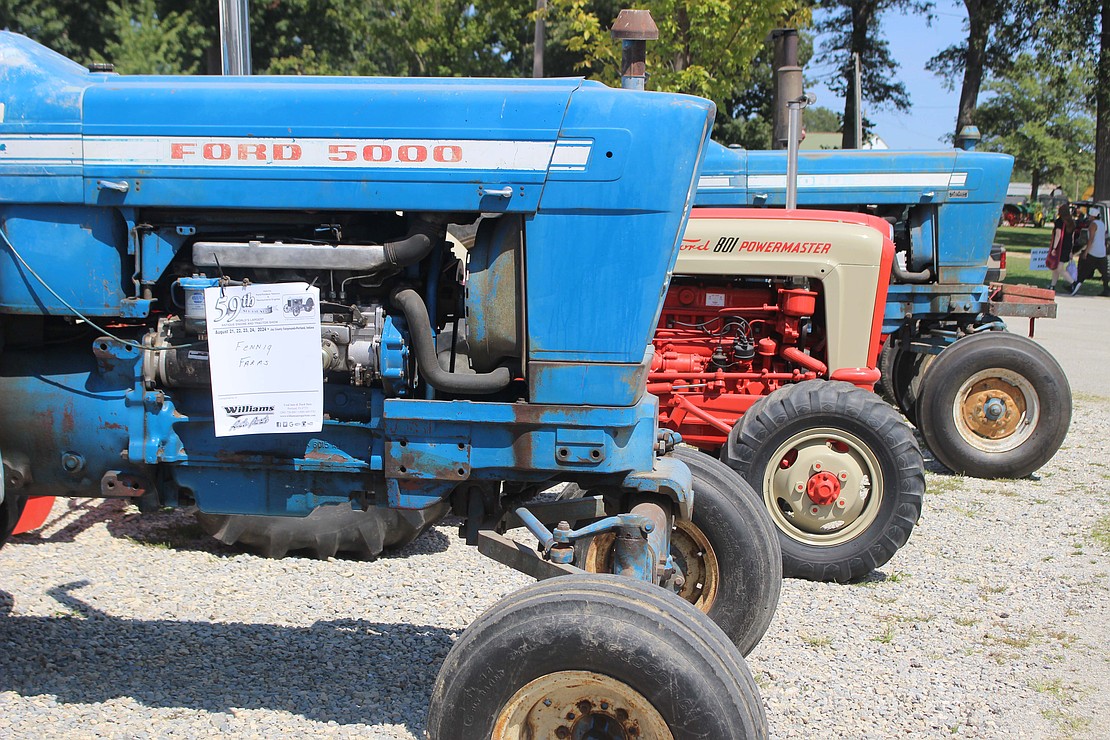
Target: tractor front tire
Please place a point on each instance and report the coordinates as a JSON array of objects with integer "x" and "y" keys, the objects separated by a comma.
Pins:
[
  {"x": 728, "y": 552},
  {"x": 594, "y": 656},
  {"x": 995, "y": 405},
  {"x": 840, "y": 473}
]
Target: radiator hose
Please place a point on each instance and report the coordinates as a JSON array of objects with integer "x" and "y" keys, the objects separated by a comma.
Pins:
[{"x": 420, "y": 329}]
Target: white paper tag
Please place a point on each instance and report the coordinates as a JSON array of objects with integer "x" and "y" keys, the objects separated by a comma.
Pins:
[
  {"x": 264, "y": 354},
  {"x": 715, "y": 299}
]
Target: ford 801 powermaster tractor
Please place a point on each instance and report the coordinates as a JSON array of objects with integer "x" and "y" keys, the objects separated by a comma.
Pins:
[
  {"x": 777, "y": 324},
  {"x": 228, "y": 292}
]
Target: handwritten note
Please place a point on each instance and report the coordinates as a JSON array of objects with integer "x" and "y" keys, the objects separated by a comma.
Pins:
[{"x": 264, "y": 354}]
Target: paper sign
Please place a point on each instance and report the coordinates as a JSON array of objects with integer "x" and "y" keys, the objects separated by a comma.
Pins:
[
  {"x": 264, "y": 354},
  {"x": 1037, "y": 258}
]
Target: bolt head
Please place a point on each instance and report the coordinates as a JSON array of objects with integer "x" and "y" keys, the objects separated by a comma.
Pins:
[{"x": 816, "y": 466}]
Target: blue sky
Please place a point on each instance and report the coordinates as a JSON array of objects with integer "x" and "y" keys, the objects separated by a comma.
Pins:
[{"x": 912, "y": 43}]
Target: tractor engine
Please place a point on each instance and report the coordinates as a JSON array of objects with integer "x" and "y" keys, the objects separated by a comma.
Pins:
[
  {"x": 809, "y": 306},
  {"x": 721, "y": 347}
]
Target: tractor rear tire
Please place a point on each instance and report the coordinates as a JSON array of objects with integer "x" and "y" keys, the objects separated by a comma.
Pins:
[
  {"x": 840, "y": 473},
  {"x": 10, "y": 511},
  {"x": 995, "y": 405},
  {"x": 885, "y": 386},
  {"x": 594, "y": 656},
  {"x": 907, "y": 373},
  {"x": 325, "y": 532},
  {"x": 728, "y": 553}
]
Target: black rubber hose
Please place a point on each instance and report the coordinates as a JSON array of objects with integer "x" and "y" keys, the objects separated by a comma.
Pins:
[
  {"x": 409, "y": 250},
  {"x": 905, "y": 276},
  {"x": 420, "y": 329}
]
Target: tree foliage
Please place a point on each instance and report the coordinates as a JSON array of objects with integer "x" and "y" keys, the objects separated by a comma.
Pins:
[
  {"x": 997, "y": 31},
  {"x": 714, "y": 48},
  {"x": 1034, "y": 114},
  {"x": 705, "y": 47}
]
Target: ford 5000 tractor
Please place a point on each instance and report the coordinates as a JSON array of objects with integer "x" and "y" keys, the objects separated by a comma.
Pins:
[{"x": 233, "y": 292}]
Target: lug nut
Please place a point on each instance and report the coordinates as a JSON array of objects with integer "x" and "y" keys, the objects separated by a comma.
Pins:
[
  {"x": 816, "y": 466},
  {"x": 843, "y": 475}
]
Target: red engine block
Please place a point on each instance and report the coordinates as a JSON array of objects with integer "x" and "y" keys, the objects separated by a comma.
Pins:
[{"x": 720, "y": 348}]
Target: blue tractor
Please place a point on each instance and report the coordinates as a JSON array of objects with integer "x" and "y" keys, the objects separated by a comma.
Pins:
[
  {"x": 236, "y": 293},
  {"x": 988, "y": 402}
]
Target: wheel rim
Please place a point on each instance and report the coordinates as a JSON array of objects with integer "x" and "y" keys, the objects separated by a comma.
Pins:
[
  {"x": 823, "y": 487},
  {"x": 996, "y": 410},
  {"x": 579, "y": 705},
  {"x": 691, "y": 552}
]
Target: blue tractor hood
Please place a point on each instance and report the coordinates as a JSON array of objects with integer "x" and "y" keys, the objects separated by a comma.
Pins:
[{"x": 258, "y": 141}]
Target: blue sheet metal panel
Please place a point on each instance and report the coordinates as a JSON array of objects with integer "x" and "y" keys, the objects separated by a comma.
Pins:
[
  {"x": 335, "y": 142},
  {"x": 932, "y": 301},
  {"x": 510, "y": 440},
  {"x": 966, "y": 227},
  {"x": 583, "y": 383},
  {"x": 52, "y": 236},
  {"x": 859, "y": 178},
  {"x": 63, "y": 406},
  {"x": 40, "y": 116},
  {"x": 613, "y": 244},
  {"x": 39, "y": 88},
  {"x": 737, "y": 177},
  {"x": 724, "y": 177}
]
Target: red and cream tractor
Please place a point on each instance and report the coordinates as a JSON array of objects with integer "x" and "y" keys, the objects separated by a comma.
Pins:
[{"x": 766, "y": 355}]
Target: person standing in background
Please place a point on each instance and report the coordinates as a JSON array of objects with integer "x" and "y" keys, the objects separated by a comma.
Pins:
[
  {"x": 1093, "y": 256},
  {"x": 1059, "y": 251}
]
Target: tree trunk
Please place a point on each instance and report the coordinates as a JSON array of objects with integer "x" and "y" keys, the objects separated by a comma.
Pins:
[
  {"x": 1034, "y": 184},
  {"x": 1102, "y": 107},
  {"x": 978, "y": 34}
]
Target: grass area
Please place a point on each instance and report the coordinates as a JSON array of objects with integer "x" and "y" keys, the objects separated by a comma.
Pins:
[
  {"x": 1023, "y": 238},
  {"x": 1018, "y": 272}
]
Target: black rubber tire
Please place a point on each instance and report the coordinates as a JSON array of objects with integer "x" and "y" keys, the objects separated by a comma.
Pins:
[
  {"x": 842, "y": 408},
  {"x": 885, "y": 386},
  {"x": 10, "y": 511},
  {"x": 907, "y": 373},
  {"x": 984, "y": 352},
  {"x": 633, "y": 632},
  {"x": 328, "y": 530},
  {"x": 744, "y": 544}
]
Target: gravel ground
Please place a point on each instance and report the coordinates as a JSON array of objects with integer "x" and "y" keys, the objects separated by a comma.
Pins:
[{"x": 990, "y": 623}]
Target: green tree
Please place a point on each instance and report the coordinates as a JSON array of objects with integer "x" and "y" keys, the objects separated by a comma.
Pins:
[
  {"x": 821, "y": 119},
  {"x": 854, "y": 27},
  {"x": 997, "y": 30},
  {"x": 1080, "y": 30},
  {"x": 71, "y": 27},
  {"x": 705, "y": 47},
  {"x": 141, "y": 41},
  {"x": 1035, "y": 115}
]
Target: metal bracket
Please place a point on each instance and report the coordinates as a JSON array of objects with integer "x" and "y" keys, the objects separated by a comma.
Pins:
[{"x": 520, "y": 557}]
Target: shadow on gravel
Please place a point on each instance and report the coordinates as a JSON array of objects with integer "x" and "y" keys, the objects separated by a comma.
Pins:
[
  {"x": 173, "y": 529},
  {"x": 328, "y": 672},
  {"x": 78, "y": 515}
]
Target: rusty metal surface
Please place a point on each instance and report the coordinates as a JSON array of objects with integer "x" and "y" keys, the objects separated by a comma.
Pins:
[{"x": 520, "y": 557}]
